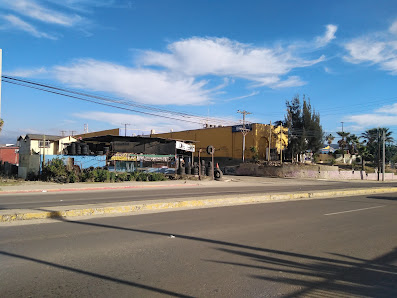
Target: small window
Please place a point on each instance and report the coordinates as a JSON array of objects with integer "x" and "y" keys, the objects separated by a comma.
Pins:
[{"x": 41, "y": 144}]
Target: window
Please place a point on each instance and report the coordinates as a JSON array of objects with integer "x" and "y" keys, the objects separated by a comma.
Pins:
[{"x": 41, "y": 144}]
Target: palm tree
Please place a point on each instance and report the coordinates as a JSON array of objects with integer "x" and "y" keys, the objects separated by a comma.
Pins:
[
  {"x": 352, "y": 142},
  {"x": 373, "y": 138},
  {"x": 342, "y": 142},
  {"x": 1, "y": 124},
  {"x": 330, "y": 138},
  {"x": 365, "y": 154}
]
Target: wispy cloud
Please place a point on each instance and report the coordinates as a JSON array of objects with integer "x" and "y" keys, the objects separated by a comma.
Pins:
[
  {"x": 14, "y": 22},
  {"x": 33, "y": 9},
  {"x": 329, "y": 35},
  {"x": 243, "y": 96},
  {"x": 144, "y": 123},
  {"x": 141, "y": 85},
  {"x": 379, "y": 48},
  {"x": 29, "y": 73}
]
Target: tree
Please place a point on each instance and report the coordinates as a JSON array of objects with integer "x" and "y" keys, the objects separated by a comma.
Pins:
[
  {"x": 352, "y": 142},
  {"x": 330, "y": 138},
  {"x": 373, "y": 139},
  {"x": 1, "y": 124},
  {"x": 342, "y": 142},
  {"x": 304, "y": 128},
  {"x": 364, "y": 153}
]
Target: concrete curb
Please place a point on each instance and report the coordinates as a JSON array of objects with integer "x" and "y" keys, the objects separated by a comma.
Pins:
[
  {"x": 158, "y": 206},
  {"x": 93, "y": 188}
]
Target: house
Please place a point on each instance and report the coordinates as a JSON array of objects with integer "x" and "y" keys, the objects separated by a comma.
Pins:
[{"x": 33, "y": 147}]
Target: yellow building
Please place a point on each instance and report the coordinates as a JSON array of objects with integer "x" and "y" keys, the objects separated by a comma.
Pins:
[{"x": 228, "y": 140}]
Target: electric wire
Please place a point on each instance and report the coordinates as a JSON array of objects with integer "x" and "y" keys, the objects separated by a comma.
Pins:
[{"x": 28, "y": 83}]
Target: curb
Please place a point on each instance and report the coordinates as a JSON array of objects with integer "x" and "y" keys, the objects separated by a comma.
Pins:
[
  {"x": 93, "y": 188},
  {"x": 136, "y": 208}
]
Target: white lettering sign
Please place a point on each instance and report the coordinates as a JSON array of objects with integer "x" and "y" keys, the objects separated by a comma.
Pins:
[{"x": 185, "y": 147}]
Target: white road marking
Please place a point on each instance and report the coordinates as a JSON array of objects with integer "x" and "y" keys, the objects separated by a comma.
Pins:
[{"x": 354, "y": 210}]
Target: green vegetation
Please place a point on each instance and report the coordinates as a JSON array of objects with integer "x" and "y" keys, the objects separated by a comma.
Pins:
[
  {"x": 57, "y": 171},
  {"x": 304, "y": 129}
]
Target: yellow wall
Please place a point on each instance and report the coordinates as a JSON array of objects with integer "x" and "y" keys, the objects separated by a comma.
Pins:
[{"x": 228, "y": 143}]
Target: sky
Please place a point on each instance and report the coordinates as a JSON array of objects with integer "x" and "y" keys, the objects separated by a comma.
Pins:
[{"x": 180, "y": 64}]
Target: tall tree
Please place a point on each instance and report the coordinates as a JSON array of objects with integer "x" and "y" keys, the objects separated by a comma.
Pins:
[{"x": 304, "y": 128}]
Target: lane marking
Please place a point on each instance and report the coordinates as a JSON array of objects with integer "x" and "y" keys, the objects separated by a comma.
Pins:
[{"x": 355, "y": 210}]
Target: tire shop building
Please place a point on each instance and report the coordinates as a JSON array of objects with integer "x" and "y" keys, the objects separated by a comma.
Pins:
[{"x": 125, "y": 153}]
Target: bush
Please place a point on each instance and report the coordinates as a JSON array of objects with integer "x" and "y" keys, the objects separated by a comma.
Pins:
[
  {"x": 157, "y": 177},
  {"x": 55, "y": 170},
  {"x": 101, "y": 175}
]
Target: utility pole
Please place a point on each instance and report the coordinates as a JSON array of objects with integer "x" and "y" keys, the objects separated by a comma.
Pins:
[
  {"x": 42, "y": 167},
  {"x": 72, "y": 132},
  {"x": 244, "y": 130},
  {"x": 85, "y": 128},
  {"x": 384, "y": 156},
  {"x": 125, "y": 128},
  {"x": 378, "y": 153},
  {"x": 63, "y": 132},
  {"x": 270, "y": 140}
]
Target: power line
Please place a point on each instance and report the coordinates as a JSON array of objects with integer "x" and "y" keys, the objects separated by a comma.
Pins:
[{"x": 64, "y": 92}]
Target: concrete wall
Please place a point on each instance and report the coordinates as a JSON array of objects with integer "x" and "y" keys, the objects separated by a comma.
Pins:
[
  {"x": 28, "y": 163},
  {"x": 314, "y": 171}
]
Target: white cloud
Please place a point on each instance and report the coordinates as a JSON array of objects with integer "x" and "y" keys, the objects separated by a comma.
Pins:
[
  {"x": 372, "y": 120},
  {"x": 379, "y": 48},
  {"x": 329, "y": 35},
  {"x": 28, "y": 73},
  {"x": 144, "y": 123},
  {"x": 389, "y": 109},
  {"x": 33, "y": 9},
  {"x": 16, "y": 23},
  {"x": 141, "y": 85},
  {"x": 224, "y": 57},
  {"x": 384, "y": 116}
]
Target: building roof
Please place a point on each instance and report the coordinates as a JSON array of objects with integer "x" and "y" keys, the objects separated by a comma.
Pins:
[
  {"x": 112, "y": 138},
  {"x": 40, "y": 137}
]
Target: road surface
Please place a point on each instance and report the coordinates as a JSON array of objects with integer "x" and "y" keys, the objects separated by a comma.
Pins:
[{"x": 330, "y": 247}]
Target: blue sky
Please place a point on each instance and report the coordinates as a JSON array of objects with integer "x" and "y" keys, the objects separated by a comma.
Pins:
[{"x": 206, "y": 58}]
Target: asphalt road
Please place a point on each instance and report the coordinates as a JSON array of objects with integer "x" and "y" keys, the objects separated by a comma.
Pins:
[
  {"x": 329, "y": 248},
  {"x": 49, "y": 199}
]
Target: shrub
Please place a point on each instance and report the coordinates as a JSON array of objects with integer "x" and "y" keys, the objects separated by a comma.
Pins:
[
  {"x": 157, "y": 177},
  {"x": 55, "y": 170}
]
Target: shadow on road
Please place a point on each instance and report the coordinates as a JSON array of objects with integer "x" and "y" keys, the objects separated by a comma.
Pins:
[
  {"x": 308, "y": 274},
  {"x": 325, "y": 277},
  {"x": 92, "y": 274}
]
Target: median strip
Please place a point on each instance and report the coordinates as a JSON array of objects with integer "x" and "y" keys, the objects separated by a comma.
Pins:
[{"x": 164, "y": 205}]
